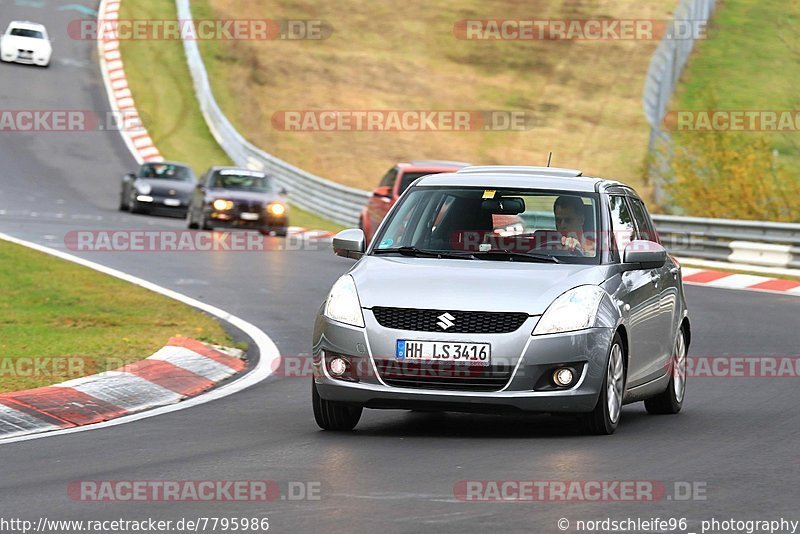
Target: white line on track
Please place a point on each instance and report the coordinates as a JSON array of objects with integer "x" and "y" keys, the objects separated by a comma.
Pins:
[{"x": 267, "y": 361}]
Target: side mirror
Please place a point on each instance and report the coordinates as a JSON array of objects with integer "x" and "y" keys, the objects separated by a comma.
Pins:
[
  {"x": 129, "y": 177},
  {"x": 349, "y": 243},
  {"x": 283, "y": 192},
  {"x": 200, "y": 186},
  {"x": 640, "y": 254},
  {"x": 384, "y": 191}
]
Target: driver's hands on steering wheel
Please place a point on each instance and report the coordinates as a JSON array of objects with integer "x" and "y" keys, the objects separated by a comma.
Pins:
[{"x": 571, "y": 244}]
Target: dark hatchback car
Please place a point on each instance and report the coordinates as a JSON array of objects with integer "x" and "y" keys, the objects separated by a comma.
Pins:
[
  {"x": 158, "y": 186},
  {"x": 228, "y": 197}
]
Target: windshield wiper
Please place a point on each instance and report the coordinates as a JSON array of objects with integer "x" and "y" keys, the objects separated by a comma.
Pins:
[
  {"x": 425, "y": 253},
  {"x": 515, "y": 256}
]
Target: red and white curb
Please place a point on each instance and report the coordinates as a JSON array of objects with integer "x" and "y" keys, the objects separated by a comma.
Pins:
[
  {"x": 182, "y": 369},
  {"x": 750, "y": 282},
  {"x": 305, "y": 233},
  {"x": 119, "y": 94}
]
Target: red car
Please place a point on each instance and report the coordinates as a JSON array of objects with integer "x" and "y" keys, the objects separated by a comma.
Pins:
[{"x": 392, "y": 186}]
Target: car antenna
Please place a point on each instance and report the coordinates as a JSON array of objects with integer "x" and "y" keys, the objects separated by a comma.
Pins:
[{"x": 549, "y": 157}]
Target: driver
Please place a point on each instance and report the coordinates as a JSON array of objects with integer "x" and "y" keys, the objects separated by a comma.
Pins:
[{"x": 570, "y": 218}]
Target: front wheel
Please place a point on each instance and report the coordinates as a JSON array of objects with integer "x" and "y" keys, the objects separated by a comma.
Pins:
[
  {"x": 190, "y": 220},
  {"x": 332, "y": 415},
  {"x": 604, "y": 419},
  {"x": 671, "y": 400}
]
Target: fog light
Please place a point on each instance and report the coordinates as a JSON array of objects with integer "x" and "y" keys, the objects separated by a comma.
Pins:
[
  {"x": 563, "y": 376},
  {"x": 338, "y": 366}
]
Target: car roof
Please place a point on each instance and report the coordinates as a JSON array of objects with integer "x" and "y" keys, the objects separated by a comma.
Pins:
[
  {"x": 175, "y": 163},
  {"x": 218, "y": 168},
  {"x": 552, "y": 178},
  {"x": 27, "y": 25},
  {"x": 431, "y": 166}
]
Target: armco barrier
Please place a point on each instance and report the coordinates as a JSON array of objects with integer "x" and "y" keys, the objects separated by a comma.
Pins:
[
  {"x": 752, "y": 242},
  {"x": 762, "y": 243}
]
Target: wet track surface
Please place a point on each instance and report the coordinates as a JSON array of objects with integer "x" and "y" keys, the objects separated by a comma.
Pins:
[{"x": 736, "y": 437}]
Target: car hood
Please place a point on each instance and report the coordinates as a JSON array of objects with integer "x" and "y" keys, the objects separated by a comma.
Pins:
[
  {"x": 480, "y": 285},
  {"x": 251, "y": 196},
  {"x": 164, "y": 186},
  {"x": 26, "y": 43}
]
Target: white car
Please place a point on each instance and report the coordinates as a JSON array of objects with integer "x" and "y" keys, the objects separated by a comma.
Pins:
[{"x": 26, "y": 42}]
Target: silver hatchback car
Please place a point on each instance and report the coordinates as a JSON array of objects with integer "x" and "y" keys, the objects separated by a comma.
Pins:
[{"x": 505, "y": 289}]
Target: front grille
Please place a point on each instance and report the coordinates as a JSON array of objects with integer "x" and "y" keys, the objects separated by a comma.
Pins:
[
  {"x": 439, "y": 375},
  {"x": 249, "y": 206},
  {"x": 464, "y": 322}
]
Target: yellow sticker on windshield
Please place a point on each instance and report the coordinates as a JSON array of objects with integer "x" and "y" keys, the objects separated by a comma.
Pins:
[{"x": 489, "y": 193}]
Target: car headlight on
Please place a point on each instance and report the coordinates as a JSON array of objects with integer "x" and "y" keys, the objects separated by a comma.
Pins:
[
  {"x": 276, "y": 209},
  {"x": 221, "y": 204},
  {"x": 574, "y": 310},
  {"x": 342, "y": 304},
  {"x": 143, "y": 188}
]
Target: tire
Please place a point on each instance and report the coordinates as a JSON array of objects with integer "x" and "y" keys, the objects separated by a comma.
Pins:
[
  {"x": 604, "y": 419},
  {"x": 203, "y": 224},
  {"x": 671, "y": 400},
  {"x": 133, "y": 205},
  {"x": 332, "y": 415},
  {"x": 122, "y": 205},
  {"x": 190, "y": 221},
  {"x": 281, "y": 232}
]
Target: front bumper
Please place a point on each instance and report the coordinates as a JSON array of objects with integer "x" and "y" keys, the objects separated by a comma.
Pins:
[
  {"x": 234, "y": 219},
  {"x": 163, "y": 202},
  {"x": 527, "y": 388}
]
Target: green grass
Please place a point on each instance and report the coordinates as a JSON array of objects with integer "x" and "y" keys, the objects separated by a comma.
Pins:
[
  {"x": 162, "y": 89},
  {"x": 749, "y": 62},
  {"x": 53, "y": 308}
]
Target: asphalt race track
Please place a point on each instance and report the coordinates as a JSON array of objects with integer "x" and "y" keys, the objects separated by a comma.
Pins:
[{"x": 736, "y": 438}]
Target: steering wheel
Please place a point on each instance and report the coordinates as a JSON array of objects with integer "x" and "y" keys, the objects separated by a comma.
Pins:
[{"x": 556, "y": 242}]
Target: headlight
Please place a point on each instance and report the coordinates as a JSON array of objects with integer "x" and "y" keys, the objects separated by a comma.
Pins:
[
  {"x": 222, "y": 205},
  {"x": 342, "y": 304},
  {"x": 574, "y": 310},
  {"x": 143, "y": 188},
  {"x": 276, "y": 209}
]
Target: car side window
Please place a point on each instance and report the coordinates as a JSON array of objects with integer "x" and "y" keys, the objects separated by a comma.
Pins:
[
  {"x": 646, "y": 230},
  {"x": 388, "y": 178},
  {"x": 622, "y": 225}
]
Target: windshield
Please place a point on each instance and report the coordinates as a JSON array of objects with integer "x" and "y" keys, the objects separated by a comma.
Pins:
[
  {"x": 22, "y": 32},
  {"x": 242, "y": 181},
  {"x": 502, "y": 224},
  {"x": 165, "y": 171}
]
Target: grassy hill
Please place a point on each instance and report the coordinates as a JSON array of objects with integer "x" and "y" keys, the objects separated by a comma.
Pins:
[{"x": 585, "y": 95}]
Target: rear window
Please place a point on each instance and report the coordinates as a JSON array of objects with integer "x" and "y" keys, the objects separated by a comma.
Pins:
[{"x": 22, "y": 32}]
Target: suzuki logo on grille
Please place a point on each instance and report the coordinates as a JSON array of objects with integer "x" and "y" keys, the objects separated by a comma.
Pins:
[{"x": 445, "y": 321}]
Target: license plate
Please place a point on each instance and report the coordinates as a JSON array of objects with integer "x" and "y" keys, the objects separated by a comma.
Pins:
[
  {"x": 25, "y": 55},
  {"x": 444, "y": 351},
  {"x": 172, "y": 202},
  {"x": 249, "y": 216}
]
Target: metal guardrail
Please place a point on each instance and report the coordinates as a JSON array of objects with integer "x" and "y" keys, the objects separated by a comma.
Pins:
[
  {"x": 758, "y": 243},
  {"x": 331, "y": 200},
  {"x": 752, "y": 242},
  {"x": 668, "y": 61}
]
